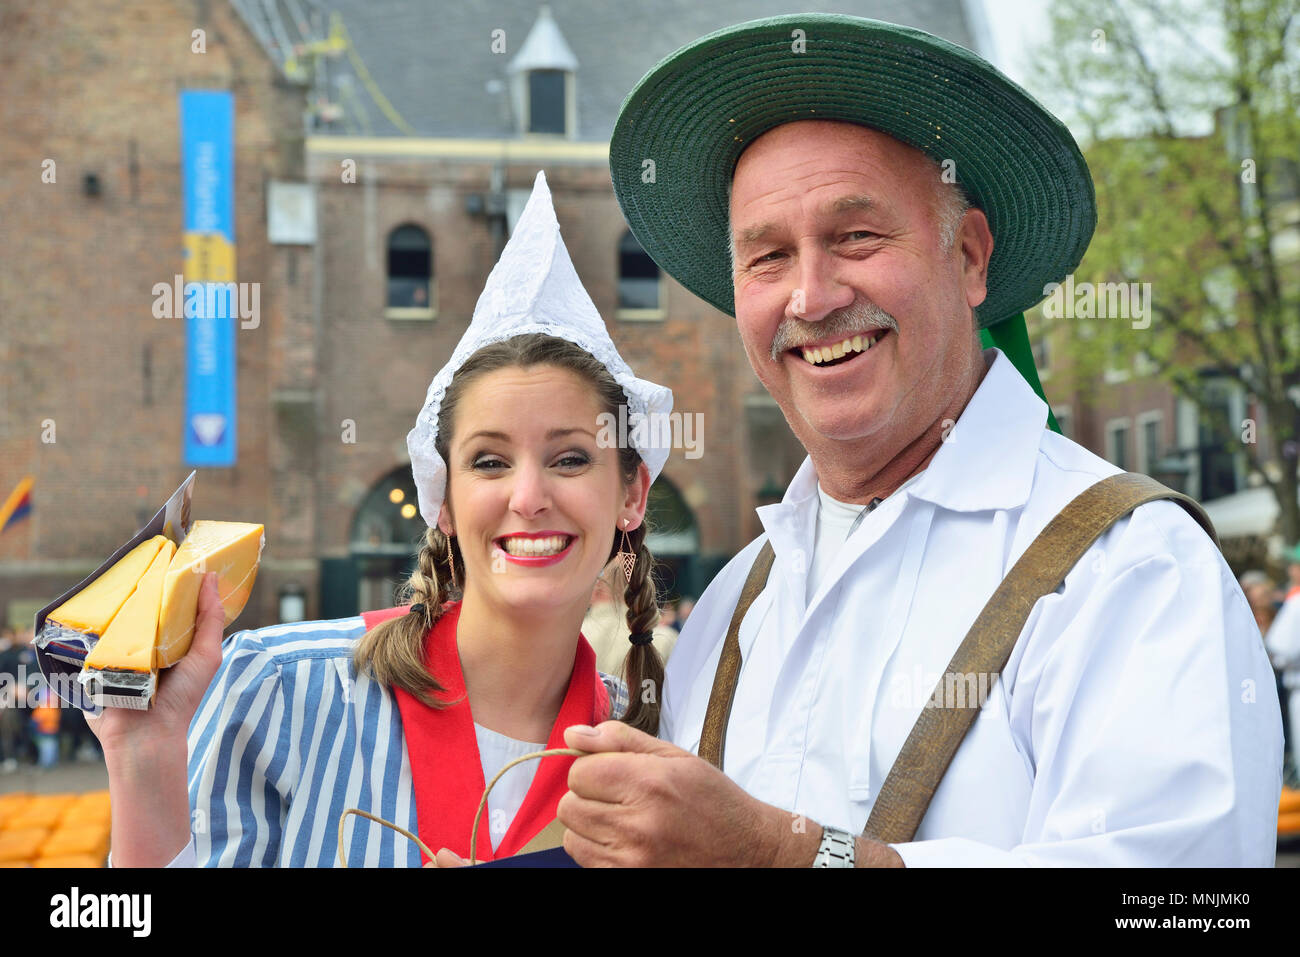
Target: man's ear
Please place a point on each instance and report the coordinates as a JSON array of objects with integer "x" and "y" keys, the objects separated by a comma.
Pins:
[
  {"x": 638, "y": 494},
  {"x": 975, "y": 241}
]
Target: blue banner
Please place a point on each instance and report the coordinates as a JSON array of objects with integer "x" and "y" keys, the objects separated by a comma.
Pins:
[{"x": 211, "y": 300}]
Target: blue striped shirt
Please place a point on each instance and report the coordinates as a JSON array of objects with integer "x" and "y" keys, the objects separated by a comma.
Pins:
[{"x": 286, "y": 738}]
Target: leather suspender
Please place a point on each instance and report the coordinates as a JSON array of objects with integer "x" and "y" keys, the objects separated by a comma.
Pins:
[{"x": 939, "y": 731}]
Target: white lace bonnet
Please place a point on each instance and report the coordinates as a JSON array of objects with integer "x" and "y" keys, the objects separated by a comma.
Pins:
[{"x": 534, "y": 288}]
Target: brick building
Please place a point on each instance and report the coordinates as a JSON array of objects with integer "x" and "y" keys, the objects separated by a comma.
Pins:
[{"x": 371, "y": 227}]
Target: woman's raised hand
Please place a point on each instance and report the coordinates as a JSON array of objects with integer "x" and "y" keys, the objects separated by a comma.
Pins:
[{"x": 147, "y": 753}]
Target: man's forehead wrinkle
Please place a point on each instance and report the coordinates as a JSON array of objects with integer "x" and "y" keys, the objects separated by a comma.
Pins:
[{"x": 857, "y": 202}]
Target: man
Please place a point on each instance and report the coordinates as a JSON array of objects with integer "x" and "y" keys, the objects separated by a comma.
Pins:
[{"x": 1125, "y": 728}]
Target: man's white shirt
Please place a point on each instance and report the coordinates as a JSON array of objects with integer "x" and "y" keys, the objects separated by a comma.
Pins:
[{"x": 1135, "y": 722}]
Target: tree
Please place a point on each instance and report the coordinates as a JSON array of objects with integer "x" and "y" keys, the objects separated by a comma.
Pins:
[{"x": 1189, "y": 113}]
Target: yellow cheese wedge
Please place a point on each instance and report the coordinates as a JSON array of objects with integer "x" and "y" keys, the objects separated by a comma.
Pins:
[
  {"x": 92, "y": 609},
  {"x": 128, "y": 642},
  {"x": 232, "y": 550}
]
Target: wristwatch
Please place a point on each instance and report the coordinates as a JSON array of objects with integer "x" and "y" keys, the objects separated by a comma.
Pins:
[{"x": 836, "y": 849}]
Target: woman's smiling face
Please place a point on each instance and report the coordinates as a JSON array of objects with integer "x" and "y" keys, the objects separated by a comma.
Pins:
[{"x": 532, "y": 498}]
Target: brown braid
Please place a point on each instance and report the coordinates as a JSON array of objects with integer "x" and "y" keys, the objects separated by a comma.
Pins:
[
  {"x": 394, "y": 649},
  {"x": 643, "y": 668}
]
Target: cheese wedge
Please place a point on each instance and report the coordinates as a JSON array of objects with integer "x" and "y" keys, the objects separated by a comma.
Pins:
[
  {"x": 91, "y": 610},
  {"x": 128, "y": 642},
  {"x": 232, "y": 550}
]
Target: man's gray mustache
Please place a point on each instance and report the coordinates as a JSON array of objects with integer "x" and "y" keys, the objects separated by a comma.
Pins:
[{"x": 853, "y": 320}]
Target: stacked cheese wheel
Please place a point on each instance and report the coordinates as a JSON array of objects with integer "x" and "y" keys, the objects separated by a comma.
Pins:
[
  {"x": 54, "y": 830},
  {"x": 1288, "y": 812},
  {"x": 140, "y": 614}
]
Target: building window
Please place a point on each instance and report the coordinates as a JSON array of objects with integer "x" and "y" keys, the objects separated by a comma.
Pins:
[
  {"x": 1150, "y": 428},
  {"x": 1117, "y": 432},
  {"x": 546, "y": 102},
  {"x": 410, "y": 269},
  {"x": 1065, "y": 419},
  {"x": 638, "y": 279}
]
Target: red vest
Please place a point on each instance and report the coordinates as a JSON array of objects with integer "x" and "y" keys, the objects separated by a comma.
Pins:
[{"x": 442, "y": 747}]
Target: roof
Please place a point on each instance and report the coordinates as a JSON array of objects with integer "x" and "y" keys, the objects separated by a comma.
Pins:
[{"x": 436, "y": 63}]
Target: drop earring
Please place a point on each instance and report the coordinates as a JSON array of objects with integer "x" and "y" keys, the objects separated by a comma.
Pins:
[
  {"x": 626, "y": 556},
  {"x": 451, "y": 563}
]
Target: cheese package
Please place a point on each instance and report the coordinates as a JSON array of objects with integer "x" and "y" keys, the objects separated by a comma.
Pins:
[
  {"x": 232, "y": 550},
  {"x": 104, "y": 641},
  {"x": 122, "y": 663},
  {"x": 87, "y": 614}
]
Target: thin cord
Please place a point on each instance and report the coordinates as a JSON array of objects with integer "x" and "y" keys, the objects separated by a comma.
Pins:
[
  {"x": 378, "y": 820},
  {"x": 473, "y": 838},
  {"x": 473, "y": 835}
]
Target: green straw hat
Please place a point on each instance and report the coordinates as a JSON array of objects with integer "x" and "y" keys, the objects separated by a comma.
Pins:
[{"x": 696, "y": 112}]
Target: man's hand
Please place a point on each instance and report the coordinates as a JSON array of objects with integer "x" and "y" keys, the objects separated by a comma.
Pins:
[{"x": 636, "y": 801}]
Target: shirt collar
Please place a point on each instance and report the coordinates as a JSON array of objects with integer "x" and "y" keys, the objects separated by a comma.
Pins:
[{"x": 988, "y": 459}]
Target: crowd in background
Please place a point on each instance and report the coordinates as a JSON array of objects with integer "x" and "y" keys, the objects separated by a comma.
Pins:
[
  {"x": 1277, "y": 612},
  {"x": 35, "y": 730}
]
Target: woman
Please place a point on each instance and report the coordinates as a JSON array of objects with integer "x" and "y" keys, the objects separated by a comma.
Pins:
[{"x": 405, "y": 713}]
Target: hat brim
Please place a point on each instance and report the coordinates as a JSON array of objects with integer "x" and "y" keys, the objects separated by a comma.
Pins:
[{"x": 697, "y": 111}]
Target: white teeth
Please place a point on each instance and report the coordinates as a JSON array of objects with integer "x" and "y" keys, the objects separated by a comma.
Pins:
[
  {"x": 819, "y": 355},
  {"x": 535, "y": 547}
]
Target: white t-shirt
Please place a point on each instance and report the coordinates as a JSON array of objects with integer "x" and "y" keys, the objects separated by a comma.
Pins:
[
  {"x": 835, "y": 522},
  {"x": 496, "y": 751}
]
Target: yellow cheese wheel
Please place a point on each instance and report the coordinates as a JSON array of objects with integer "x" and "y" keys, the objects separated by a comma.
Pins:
[
  {"x": 45, "y": 816},
  {"x": 232, "y": 550},
  {"x": 22, "y": 845},
  {"x": 128, "y": 642},
  {"x": 76, "y": 840},
  {"x": 1289, "y": 823},
  {"x": 91, "y": 610},
  {"x": 70, "y": 860},
  {"x": 1290, "y": 801}
]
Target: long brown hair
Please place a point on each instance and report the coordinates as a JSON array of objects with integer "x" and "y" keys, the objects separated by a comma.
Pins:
[{"x": 393, "y": 651}]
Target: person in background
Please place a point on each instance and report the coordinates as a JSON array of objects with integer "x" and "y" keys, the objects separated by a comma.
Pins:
[
  {"x": 1260, "y": 593},
  {"x": 1283, "y": 644},
  {"x": 20, "y": 662},
  {"x": 11, "y": 722},
  {"x": 605, "y": 627},
  {"x": 45, "y": 728}
]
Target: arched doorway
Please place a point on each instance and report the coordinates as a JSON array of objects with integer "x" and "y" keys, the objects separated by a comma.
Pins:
[
  {"x": 674, "y": 541},
  {"x": 385, "y": 540}
]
